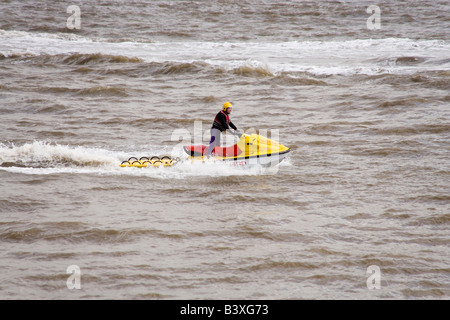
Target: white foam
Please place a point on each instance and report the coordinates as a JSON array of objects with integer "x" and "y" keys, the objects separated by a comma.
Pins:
[
  {"x": 360, "y": 56},
  {"x": 43, "y": 158},
  {"x": 44, "y": 152}
]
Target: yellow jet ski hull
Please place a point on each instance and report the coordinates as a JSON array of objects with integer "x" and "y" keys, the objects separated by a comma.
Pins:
[{"x": 250, "y": 150}]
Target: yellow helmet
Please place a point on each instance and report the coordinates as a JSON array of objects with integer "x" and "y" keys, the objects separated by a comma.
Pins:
[{"x": 226, "y": 105}]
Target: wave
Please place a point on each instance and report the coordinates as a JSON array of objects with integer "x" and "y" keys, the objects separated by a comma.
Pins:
[
  {"x": 437, "y": 129},
  {"x": 103, "y": 91},
  {"x": 437, "y": 79},
  {"x": 138, "y": 68},
  {"x": 70, "y": 59},
  {"x": 74, "y": 231},
  {"x": 173, "y": 68},
  {"x": 249, "y": 69},
  {"x": 93, "y": 91},
  {"x": 96, "y": 63},
  {"x": 298, "y": 79},
  {"x": 96, "y": 91},
  {"x": 39, "y": 154},
  {"x": 409, "y": 60},
  {"x": 43, "y": 158},
  {"x": 400, "y": 60},
  {"x": 14, "y": 55},
  {"x": 402, "y": 102},
  {"x": 95, "y": 58},
  {"x": 337, "y": 57}
]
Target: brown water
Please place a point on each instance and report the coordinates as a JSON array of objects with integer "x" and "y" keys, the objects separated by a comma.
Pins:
[{"x": 365, "y": 113}]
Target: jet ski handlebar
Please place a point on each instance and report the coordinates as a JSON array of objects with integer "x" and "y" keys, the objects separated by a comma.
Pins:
[{"x": 237, "y": 133}]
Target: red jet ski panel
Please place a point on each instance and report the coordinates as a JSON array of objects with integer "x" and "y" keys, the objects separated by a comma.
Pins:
[{"x": 200, "y": 150}]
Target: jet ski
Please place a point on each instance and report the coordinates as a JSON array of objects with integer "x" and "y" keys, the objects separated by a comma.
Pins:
[{"x": 251, "y": 149}]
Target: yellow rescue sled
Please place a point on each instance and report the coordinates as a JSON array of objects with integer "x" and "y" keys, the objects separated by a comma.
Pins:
[{"x": 154, "y": 161}]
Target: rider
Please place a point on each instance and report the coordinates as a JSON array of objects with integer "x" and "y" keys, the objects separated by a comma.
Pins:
[{"x": 221, "y": 123}]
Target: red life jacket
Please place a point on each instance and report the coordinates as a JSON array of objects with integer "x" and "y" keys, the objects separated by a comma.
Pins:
[{"x": 218, "y": 124}]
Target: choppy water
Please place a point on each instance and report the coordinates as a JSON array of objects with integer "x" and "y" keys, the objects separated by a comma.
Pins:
[{"x": 366, "y": 113}]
